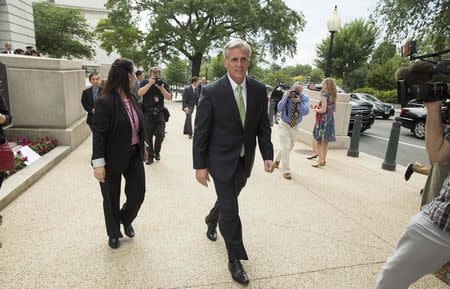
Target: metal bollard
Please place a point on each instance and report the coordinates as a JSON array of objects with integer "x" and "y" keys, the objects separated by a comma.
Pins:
[
  {"x": 353, "y": 151},
  {"x": 391, "y": 151}
]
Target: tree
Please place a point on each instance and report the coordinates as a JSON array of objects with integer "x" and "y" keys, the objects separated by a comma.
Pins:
[
  {"x": 175, "y": 72},
  {"x": 299, "y": 69},
  {"x": 405, "y": 19},
  {"x": 356, "y": 78},
  {"x": 382, "y": 76},
  {"x": 383, "y": 52},
  {"x": 353, "y": 45},
  {"x": 216, "y": 67},
  {"x": 61, "y": 32},
  {"x": 119, "y": 33},
  {"x": 195, "y": 27},
  {"x": 316, "y": 75}
]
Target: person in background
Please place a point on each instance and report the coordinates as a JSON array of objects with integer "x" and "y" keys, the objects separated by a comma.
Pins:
[
  {"x": 139, "y": 79},
  {"x": 118, "y": 150},
  {"x": 275, "y": 98},
  {"x": 5, "y": 119},
  {"x": 293, "y": 106},
  {"x": 190, "y": 98},
  {"x": 89, "y": 96},
  {"x": 8, "y": 48},
  {"x": 324, "y": 131},
  {"x": 19, "y": 51}
]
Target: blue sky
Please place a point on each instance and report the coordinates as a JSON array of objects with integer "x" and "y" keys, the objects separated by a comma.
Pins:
[{"x": 316, "y": 14}]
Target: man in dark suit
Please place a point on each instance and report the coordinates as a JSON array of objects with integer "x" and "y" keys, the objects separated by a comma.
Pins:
[
  {"x": 231, "y": 114},
  {"x": 89, "y": 96},
  {"x": 190, "y": 98}
]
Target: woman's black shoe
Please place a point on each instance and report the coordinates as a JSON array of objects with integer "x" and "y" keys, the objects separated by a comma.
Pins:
[
  {"x": 312, "y": 157},
  {"x": 114, "y": 243},
  {"x": 129, "y": 231}
]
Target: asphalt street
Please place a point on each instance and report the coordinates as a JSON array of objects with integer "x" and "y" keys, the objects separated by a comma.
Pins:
[{"x": 375, "y": 140}]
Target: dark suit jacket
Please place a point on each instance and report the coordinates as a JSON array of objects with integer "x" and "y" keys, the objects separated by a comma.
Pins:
[
  {"x": 87, "y": 100},
  {"x": 112, "y": 132},
  {"x": 5, "y": 111},
  {"x": 219, "y": 135},
  {"x": 189, "y": 97}
]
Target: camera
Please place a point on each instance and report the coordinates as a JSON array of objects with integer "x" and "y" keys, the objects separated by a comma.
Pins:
[
  {"x": 414, "y": 81},
  {"x": 159, "y": 81},
  {"x": 292, "y": 94}
]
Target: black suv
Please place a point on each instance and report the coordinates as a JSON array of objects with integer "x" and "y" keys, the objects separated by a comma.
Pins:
[{"x": 365, "y": 109}]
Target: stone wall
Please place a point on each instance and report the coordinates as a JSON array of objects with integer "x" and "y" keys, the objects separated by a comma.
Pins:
[
  {"x": 45, "y": 96},
  {"x": 17, "y": 23}
]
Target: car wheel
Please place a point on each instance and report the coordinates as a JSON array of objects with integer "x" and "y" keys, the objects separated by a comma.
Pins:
[
  {"x": 419, "y": 129},
  {"x": 386, "y": 116}
]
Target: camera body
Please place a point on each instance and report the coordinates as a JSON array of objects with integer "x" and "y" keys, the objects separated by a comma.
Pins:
[
  {"x": 414, "y": 82},
  {"x": 292, "y": 94},
  {"x": 159, "y": 81}
]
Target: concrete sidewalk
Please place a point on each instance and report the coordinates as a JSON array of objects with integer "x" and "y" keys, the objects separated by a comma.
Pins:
[{"x": 330, "y": 227}]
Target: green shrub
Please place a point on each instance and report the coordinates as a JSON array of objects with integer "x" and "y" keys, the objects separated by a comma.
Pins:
[{"x": 384, "y": 95}]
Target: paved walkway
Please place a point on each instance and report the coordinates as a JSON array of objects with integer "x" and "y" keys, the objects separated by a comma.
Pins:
[{"x": 332, "y": 227}]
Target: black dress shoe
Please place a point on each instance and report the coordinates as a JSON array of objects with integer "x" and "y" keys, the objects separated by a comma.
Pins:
[
  {"x": 149, "y": 161},
  {"x": 129, "y": 231},
  {"x": 157, "y": 157},
  {"x": 409, "y": 171},
  {"x": 190, "y": 136},
  {"x": 114, "y": 243},
  {"x": 237, "y": 272},
  {"x": 211, "y": 232}
]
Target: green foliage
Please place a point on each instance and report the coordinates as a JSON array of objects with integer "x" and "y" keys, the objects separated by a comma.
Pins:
[
  {"x": 383, "y": 52},
  {"x": 403, "y": 19},
  {"x": 195, "y": 27},
  {"x": 216, "y": 67},
  {"x": 382, "y": 76},
  {"x": 176, "y": 71},
  {"x": 119, "y": 33},
  {"x": 356, "y": 78},
  {"x": 353, "y": 45},
  {"x": 299, "y": 69},
  {"x": 389, "y": 96},
  {"x": 61, "y": 32},
  {"x": 316, "y": 75}
]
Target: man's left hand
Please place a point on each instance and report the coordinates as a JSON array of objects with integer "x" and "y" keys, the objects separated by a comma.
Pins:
[{"x": 267, "y": 166}]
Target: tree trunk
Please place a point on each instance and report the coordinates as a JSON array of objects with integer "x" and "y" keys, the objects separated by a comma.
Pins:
[{"x": 196, "y": 64}]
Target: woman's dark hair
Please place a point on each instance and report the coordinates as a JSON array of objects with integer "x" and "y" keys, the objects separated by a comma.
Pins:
[{"x": 118, "y": 79}]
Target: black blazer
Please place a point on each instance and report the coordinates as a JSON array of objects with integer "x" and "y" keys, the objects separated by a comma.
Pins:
[
  {"x": 5, "y": 111},
  {"x": 190, "y": 97},
  {"x": 87, "y": 100},
  {"x": 112, "y": 132},
  {"x": 219, "y": 135}
]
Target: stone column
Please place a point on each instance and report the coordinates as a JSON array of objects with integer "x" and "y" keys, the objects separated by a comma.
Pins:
[
  {"x": 341, "y": 120},
  {"x": 17, "y": 23}
]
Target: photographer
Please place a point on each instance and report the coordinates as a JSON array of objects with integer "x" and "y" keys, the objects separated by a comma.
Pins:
[
  {"x": 424, "y": 247},
  {"x": 275, "y": 97},
  {"x": 292, "y": 107},
  {"x": 153, "y": 93}
]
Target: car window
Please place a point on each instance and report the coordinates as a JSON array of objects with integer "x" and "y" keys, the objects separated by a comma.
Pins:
[
  {"x": 371, "y": 97},
  {"x": 353, "y": 96}
]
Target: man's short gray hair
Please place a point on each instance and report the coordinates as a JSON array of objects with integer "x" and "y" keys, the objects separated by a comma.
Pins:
[{"x": 237, "y": 43}]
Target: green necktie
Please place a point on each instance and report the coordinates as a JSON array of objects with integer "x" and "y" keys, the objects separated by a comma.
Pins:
[{"x": 241, "y": 107}]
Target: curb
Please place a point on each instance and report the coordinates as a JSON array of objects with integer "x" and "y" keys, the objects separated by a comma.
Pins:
[{"x": 17, "y": 183}]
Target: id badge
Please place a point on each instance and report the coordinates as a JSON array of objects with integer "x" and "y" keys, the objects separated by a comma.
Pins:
[
  {"x": 156, "y": 99},
  {"x": 296, "y": 114}
]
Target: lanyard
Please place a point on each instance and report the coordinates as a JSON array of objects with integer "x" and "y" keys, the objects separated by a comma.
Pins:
[{"x": 130, "y": 113}]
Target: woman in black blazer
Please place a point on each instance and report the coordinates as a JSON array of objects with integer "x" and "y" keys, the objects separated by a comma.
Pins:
[
  {"x": 118, "y": 149},
  {"x": 5, "y": 119}
]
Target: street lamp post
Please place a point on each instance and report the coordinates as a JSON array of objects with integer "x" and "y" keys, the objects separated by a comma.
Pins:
[
  {"x": 206, "y": 72},
  {"x": 333, "y": 23}
]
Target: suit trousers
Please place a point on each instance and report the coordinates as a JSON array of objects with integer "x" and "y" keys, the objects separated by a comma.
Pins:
[
  {"x": 423, "y": 248},
  {"x": 288, "y": 136},
  {"x": 188, "y": 123},
  {"x": 226, "y": 213},
  {"x": 134, "y": 190},
  {"x": 154, "y": 128}
]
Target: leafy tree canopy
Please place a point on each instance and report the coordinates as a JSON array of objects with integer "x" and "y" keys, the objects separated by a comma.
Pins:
[
  {"x": 62, "y": 32},
  {"x": 383, "y": 52},
  {"x": 196, "y": 27},
  {"x": 405, "y": 19},
  {"x": 176, "y": 72},
  {"x": 353, "y": 45}
]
